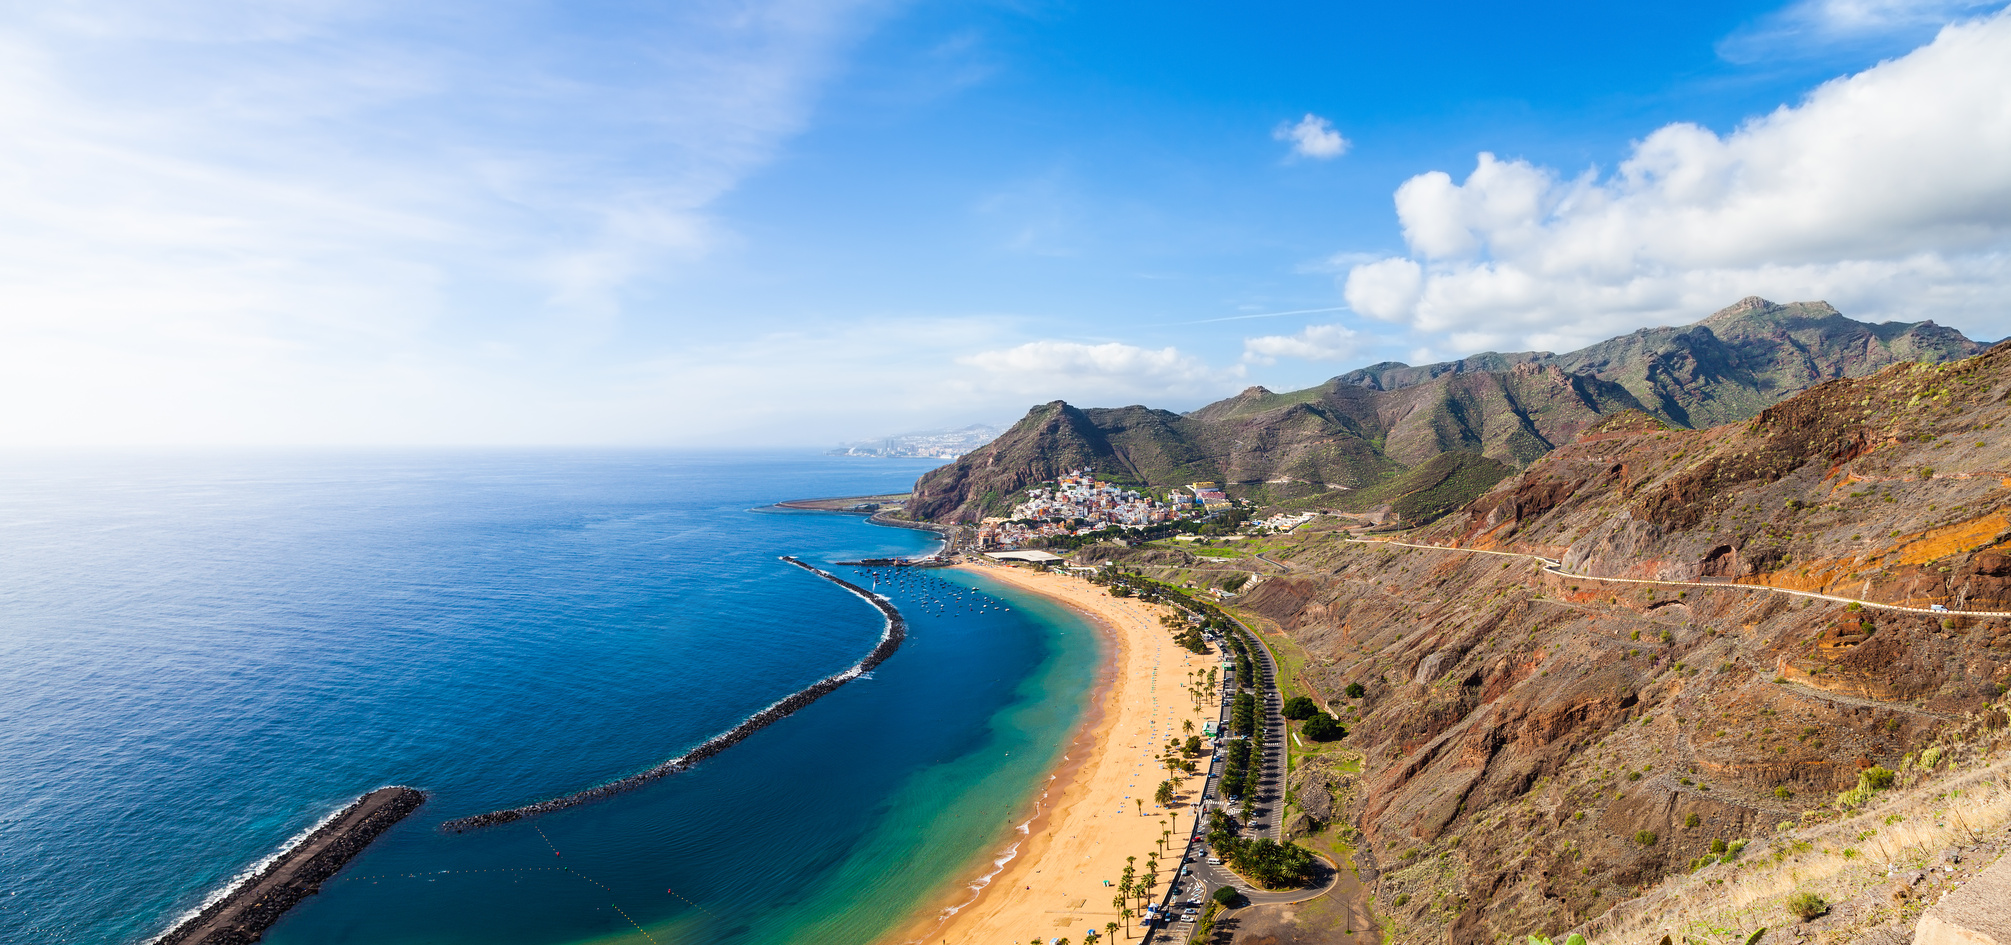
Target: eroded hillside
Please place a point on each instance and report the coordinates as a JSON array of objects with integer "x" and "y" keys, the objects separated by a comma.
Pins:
[{"x": 1539, "y": 746}]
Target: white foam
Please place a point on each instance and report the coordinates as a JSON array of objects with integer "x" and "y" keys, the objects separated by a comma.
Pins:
[
  {"x": 977, "y": 886},
  {"x": 253, "y": 871}
]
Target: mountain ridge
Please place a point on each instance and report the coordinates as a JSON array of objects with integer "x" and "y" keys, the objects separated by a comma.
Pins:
[{"x": 1361, "y": 428}]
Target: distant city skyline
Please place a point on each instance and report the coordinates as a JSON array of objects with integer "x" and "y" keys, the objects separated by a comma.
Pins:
[{"x": 794, "y": 223}]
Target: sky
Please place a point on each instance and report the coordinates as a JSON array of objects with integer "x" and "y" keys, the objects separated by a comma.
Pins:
[{"x": 801, "y": 222}]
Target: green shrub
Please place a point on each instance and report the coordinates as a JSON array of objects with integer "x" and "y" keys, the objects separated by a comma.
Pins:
[
  {"x": 1322, "y": 728},
  {"x": 1692, "y": 821},
  {"x": 1806, "y": 905},
  {"x": 1718, "y": 845},
  {"x": 1271, "y": 864},
  {"x": 1355, "y": 690},
  {"x": 1227, "y": 895},
  {"x": 1300, "y": 708},
  {"x": 1783, "y": 793},
  {"x": 1645, "y": 838}
]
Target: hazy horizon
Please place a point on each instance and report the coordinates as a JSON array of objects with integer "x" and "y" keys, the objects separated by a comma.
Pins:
[{"x": 793, "y": 225}]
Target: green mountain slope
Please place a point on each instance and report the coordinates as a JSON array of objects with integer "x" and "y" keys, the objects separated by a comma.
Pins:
[{"x": 1365, "y": 427}]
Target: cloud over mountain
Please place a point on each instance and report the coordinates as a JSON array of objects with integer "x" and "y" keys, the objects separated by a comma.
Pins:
[
  {"x": 1092, "y": 371},
  {"x": 1313, "y": 343}
]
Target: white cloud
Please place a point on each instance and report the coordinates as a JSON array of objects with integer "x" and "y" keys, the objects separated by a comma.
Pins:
[
  {"x": 1313, "y": 137},
  {"x": 1812, "y": 25},
  {"x": 1095, "y": 374},
  {"x": 1336, "y": 264},
  {"x": 318, "y": 222},
  {"x": 1314, "y": 343},
  {"x": 1888, "y": 193}
]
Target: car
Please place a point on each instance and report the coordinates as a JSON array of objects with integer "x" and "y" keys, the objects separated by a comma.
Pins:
[{"x": 1215, "y": 861}]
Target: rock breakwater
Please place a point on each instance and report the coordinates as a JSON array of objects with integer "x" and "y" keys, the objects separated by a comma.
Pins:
[
  {"x": 242, "y": 914},
  {"x": 890, "y": 640}
]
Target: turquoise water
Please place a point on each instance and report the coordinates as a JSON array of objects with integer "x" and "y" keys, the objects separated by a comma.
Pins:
[{"x": 203, "y": 656}]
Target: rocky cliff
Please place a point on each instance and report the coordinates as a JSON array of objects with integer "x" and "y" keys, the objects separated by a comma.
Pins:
[{"x": 1539, "y": 746}]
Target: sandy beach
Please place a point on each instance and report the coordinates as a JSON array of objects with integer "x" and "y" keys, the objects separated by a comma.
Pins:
[{"x": 1064, "y": 876}]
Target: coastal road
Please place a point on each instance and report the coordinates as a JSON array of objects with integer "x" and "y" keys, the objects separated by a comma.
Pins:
[{"x": 1267, "y": 809}]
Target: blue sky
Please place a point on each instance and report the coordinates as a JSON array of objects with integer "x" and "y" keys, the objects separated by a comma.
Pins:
[{"x": 715, "y": 224}]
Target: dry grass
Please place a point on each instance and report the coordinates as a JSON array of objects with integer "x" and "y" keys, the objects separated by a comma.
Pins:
[{"x": 1847, "y": 858}]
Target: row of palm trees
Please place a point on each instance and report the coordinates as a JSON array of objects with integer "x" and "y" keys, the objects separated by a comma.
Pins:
[{"x": 1134, "y": 889}]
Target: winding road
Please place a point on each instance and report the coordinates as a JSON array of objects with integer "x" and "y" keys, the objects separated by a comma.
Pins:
[{"x": 1557, "y": 568}]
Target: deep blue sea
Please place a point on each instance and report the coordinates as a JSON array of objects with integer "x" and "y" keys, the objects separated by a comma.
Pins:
[{"x": 202, "y": 656}]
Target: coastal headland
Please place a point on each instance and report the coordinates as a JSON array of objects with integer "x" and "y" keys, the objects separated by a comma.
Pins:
[
  {"x": 890, "y": 640},
  {"x": 887, "y": 509},
  {"x": 1090, "y": 818},
  {"x": 244, "y": 913},
  {"x": 849, "y": 503}
]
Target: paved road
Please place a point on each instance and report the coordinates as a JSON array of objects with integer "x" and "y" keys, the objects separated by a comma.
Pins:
[
  {"x": 1557, "y": 568},
  {"x": 1267, "y": 809}
]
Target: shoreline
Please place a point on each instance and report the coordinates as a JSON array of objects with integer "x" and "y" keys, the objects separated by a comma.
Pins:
[
  {"x": 1026, "y": 841},
  {"x": 1086, "y": 821}
]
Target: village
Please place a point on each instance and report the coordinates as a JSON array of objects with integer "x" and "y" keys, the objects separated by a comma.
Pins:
[{"x": 1079, "y": 504}]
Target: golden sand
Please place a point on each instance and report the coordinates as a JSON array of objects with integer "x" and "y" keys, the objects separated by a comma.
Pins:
[{"x": 1064, "y": 876}]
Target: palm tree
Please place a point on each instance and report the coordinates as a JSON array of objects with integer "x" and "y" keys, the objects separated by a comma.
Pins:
[
  {"x": 1110, "y": 930},
  {"x": 1126, "y": 916},
  {"x": 1089, "y": 937},
  {"x": 1188, "y": 726},
  {"x": 1141, "y": 805}
]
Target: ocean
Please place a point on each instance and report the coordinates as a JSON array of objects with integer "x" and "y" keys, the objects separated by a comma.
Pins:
[{"x": 204, "y": 655}]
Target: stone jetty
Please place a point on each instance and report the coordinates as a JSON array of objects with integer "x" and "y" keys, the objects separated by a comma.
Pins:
[
  {"x": 890, "y": 640},
  {"x": 243, "y": 914}
]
